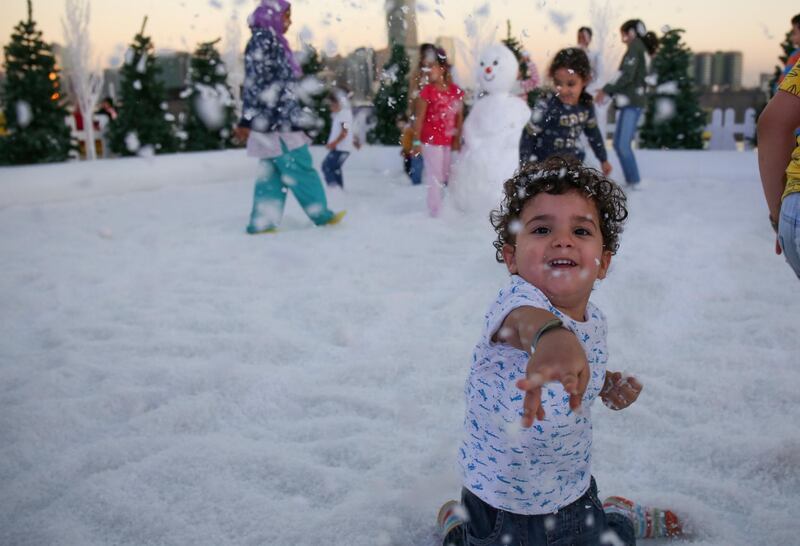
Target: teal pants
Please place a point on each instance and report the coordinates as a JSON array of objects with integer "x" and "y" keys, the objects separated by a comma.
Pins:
[{"x": 294, "y": 170}]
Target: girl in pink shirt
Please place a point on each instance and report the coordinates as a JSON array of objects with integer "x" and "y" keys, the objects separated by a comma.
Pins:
[{"x": 437, "y": 131}]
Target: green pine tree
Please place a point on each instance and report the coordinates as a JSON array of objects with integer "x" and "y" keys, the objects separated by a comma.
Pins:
[
  {"x": 143, "y": 119},
  {"x": 515, "y": 46},
  {"x": 311, "y": 66},
  {"x": 210, "y": 119},
  {"x": 673, "y": 118},
  {"x": 392, "y": 98},
  {"x": 512, "y": 43},
  {"x": 32, "y": 94},
  {"x": 787, "y": 48}
]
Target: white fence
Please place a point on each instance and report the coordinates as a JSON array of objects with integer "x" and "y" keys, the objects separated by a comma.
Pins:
[
  {"x": 723, "y": 131},
  {"x": 101, "y": 143}
]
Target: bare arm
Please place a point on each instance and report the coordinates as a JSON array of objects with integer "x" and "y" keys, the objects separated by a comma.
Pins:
[
  {"x": 559, "y": 356},
  {"x": 420, "y": 107},
  {"x": 459, "y": 128},
  {"x": 776, "y": 140},
  {"x": 342, "y": 135}
]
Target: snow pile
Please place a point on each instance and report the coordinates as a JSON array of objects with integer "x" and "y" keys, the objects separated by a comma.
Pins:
[{"x": 166, "y": 379}]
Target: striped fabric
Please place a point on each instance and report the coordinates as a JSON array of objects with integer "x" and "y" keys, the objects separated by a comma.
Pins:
[{"x": 648, "y": 522}]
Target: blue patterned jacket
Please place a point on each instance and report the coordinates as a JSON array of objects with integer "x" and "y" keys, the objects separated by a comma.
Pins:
[
  {"x": 269, "y": 96},
  {"x": 555, "y": 128}
]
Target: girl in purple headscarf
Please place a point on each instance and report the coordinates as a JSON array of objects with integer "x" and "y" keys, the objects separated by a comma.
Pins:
[
  {"x": 273, "y": 123},
  {"x": 277, "y": 16}
]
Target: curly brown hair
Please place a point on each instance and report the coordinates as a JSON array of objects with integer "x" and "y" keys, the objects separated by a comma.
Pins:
[
  {"x": 574, "y": 59},
  {"x": 558, "y": 175}
]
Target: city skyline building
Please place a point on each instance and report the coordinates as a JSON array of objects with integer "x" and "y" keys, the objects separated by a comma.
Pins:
[
  {"x": 401, "y": 23},
  {"x": 720, "y": 70},
  {"x": 358, "y": 74}
]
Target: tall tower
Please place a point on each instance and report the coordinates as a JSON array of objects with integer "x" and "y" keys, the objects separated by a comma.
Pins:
[
  {"x": 733, "y": 70},
  {"x": 702, "y": 69},
  {"x": 401, "y": 22}
]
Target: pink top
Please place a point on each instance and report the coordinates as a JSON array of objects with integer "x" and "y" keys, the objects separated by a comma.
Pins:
[{"x": 439, "y": 125}]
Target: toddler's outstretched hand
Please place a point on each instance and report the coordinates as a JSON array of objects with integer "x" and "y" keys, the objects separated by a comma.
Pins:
[
  {"x": 620, "y": 391},
  {"x": 558, "y": 357}
]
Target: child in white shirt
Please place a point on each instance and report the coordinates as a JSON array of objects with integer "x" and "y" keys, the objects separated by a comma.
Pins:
[
  {"x": 340, "y": 141},
  {"x": 539, "y": 365}
]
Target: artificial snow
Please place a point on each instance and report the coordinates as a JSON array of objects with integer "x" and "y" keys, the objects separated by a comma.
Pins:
[
  {"x": 24, "y": 113},
  {"x": 665, "y": 110},
  {"x": 132, "y": 143},
  {"x": 210, "y": 104},
  {"x": 167, "y": 379}
]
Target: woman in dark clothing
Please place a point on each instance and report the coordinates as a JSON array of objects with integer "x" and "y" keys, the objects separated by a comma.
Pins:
[{"x": 628, "y": 91}]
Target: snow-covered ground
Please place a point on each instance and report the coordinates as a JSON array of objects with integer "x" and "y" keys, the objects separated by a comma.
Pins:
[{"x": 166, "y": 379}]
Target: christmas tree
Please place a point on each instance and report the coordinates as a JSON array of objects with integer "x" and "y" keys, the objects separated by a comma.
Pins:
[
  {"x": 528, "y": 73},
  {"x": 311, "y": 66},
  {"x": 673, "y": 118},
  {"x": 32, "y": 95},
  {"x": 209, "y": 122},
  {"x": 143, "y": 123},
  {"x": 787, "y": 48},
  {"x": 392, "y": 98}
]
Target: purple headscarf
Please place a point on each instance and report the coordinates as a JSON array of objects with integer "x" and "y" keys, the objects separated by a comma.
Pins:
[{"x": 269, "y": 15}]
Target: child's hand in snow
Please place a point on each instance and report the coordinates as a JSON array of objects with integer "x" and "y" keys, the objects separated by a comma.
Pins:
[{"x": 620, "y": 391}]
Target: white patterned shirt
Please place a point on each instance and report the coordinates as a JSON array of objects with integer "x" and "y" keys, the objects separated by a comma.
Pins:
[{"x": 548, "y": 466}]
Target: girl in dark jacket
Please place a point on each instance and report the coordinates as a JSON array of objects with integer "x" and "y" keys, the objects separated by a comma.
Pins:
[
  {"x": 628, "y": 90},
  {"x": 273, "y": 123}
]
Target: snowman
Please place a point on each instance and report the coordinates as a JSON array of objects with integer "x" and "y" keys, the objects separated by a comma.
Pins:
[{"x": 492, "y": 132}]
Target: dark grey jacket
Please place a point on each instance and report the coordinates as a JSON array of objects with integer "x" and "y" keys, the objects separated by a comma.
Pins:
[{"x": 633, "y": 70}]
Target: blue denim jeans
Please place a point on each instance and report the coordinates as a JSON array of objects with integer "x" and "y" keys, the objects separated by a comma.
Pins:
[
  {"x": 627, "y": 121},
  {"x": 789, "y": 230},
  {"x": 582, "y": 523},
  {"x": 415, "y": 169},
  {"x": 332, "y": 167}
]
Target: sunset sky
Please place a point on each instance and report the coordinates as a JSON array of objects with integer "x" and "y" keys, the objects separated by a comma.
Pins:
[{"x": 339, "y": 26}]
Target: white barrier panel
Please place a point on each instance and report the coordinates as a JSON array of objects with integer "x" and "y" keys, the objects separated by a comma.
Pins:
[{"x": 723, "y": 129}]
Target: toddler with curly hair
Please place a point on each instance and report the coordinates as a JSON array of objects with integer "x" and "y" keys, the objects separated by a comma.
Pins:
[{"x": 525, "y": 453}]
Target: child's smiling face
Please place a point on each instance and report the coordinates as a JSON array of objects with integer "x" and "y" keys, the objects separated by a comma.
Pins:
[
  {"x": 569, "y": 85},
  {"x": 559, "y": 249},
  {"x": 436, "y": 74}
]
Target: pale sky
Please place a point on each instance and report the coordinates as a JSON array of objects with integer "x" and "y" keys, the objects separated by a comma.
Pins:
[{"x": 339, "y": 26}]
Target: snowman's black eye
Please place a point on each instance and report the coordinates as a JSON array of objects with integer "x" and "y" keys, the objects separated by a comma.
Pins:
[
  {"x": 481, "y": 63},
  {"x": 495, "y": 63}
]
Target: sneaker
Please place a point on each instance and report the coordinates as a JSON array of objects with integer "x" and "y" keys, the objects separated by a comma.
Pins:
[
  {"x": 336, "y": 218},
  {"x": 255, "y": 231},
  {"x": 450, "y": 518},
  {"x": 647, "y": 522}
]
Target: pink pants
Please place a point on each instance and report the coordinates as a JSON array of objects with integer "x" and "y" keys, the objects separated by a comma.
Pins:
[{"x": 435, "y": 173}]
